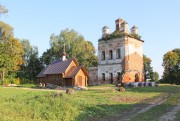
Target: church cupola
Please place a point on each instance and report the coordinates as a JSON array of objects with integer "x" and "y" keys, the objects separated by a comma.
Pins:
[
  {"x": 105, "y": 31},
  {"x": 118, "y": 23},
  {"x": 134, "y": 30},
  {"x": 64, "y": 54},
  {"x": 124, "y": 27}
]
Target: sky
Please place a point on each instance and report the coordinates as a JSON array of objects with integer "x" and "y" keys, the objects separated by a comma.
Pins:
[{"x": 158, "y": 21}]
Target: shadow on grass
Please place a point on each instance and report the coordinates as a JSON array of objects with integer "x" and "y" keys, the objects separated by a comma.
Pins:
[
  {"x": 121, "y": 112},
  {"x": 112, "y": 112},
  {"x": 102, "y": 112}
]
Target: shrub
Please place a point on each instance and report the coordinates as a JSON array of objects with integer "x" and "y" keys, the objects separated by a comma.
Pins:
[
  {"x": 6, "y": 82},
  {"x": 17, "y": 81},
  {"x": 26, "y": 81}
]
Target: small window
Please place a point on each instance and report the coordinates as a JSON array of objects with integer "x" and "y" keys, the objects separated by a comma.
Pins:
[
  {"x": 103, "y": 55},
  {"x": 118, "y": 53},
  {"x": 110, "y": 55},
  {"x": 103, "y": 77}
]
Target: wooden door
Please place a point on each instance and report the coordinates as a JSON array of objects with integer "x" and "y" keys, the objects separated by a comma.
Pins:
[{"x": 80, "y": 81}]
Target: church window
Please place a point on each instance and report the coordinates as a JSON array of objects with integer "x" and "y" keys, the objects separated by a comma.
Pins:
[
  {"x": 118, "y": 53},
  {"x": 103, "y": 55},
  {"x": 110, "y": 55}
]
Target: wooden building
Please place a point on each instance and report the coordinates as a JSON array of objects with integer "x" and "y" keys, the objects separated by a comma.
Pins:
[{"x": 64, "y": 72}]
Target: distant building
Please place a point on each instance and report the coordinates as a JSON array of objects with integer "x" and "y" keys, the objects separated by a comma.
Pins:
[
  {"x": 120, "y": 56},
  {"x": 64, "y": 72}
]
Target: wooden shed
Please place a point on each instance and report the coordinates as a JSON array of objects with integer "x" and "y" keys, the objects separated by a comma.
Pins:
[{"x": 64, "y": 72}]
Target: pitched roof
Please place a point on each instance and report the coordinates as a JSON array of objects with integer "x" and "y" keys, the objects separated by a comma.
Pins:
[
  {"x": 41, "y": 73},
  {"x": 55, "y": 67},
  {"x": 58, "y": 67},
  {"x": 74, "y": 70}
]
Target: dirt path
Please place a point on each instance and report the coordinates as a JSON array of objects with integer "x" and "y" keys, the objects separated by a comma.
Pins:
[
  {"x": 34, "y": 89},
  {"x": 170, "y": 115},
  {"x": 141, "y": 108},
  {"x": 136, "y": 109}
]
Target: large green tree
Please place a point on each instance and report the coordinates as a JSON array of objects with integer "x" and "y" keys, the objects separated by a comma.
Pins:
[
  {"x": 171, "y": 64},
  {"x": 155, "y": 76},
  {"x": 10, "y": 50},
  {"x": 148, "y": 70},
  {"x": 76, "y": 47},
  {"x": 32, "y": 65}
]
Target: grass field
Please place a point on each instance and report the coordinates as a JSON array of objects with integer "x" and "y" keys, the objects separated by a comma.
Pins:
[{"x": 98, "y": 102}]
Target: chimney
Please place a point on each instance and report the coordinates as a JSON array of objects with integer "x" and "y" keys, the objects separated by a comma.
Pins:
[
  {"x": 118, "y": 23},
  {"x": 105, "y": 31},
  {"x": 64, "y": 54}
]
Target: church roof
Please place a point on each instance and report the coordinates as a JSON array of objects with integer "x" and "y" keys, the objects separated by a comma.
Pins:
[
  {"x": 72, "y": 72},
  {"x": 105, "y": 27},
  {"x": 59, "y": 66},
  {"x": 124, "y": 22},
  {"x": 41, "y": 73},
  {"x": 55, "y": 67},
  {"x": 134, "y": 27}
]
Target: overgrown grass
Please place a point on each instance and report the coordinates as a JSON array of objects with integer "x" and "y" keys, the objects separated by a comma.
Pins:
[{"x": 18, "y": 104}]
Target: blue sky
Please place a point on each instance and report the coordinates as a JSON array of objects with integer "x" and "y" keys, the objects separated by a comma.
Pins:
[{"x": 158, "y": 21}]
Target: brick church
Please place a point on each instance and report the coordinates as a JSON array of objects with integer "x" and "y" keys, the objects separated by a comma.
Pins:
[{"x": 120, "y": 56}]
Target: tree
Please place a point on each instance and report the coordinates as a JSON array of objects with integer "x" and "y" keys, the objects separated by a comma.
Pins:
[
  {"x": 10, "y": 50},
  {"x": 155, "y": 76},
  {"x": 171, "y": 64},
  {"x": 27, "y": 50},
  {"x": 76, "y": 47},
  {"x": 148, "y": 70},
  {"x": 32, "y": 65}
]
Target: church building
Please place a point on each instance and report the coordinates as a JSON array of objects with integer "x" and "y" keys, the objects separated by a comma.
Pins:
[{"x": 120, "y": 56}]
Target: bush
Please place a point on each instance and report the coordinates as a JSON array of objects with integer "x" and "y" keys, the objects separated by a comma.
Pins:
[
  {"x": 26, "y": 81},
  {"x": 17, "y": 81}
]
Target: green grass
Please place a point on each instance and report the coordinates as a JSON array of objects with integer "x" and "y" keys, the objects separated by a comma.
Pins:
[
  {"x": 154, "y": 113},
  {"x": 18, "y": 104},
  {"x": 27, "y": 85}
]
